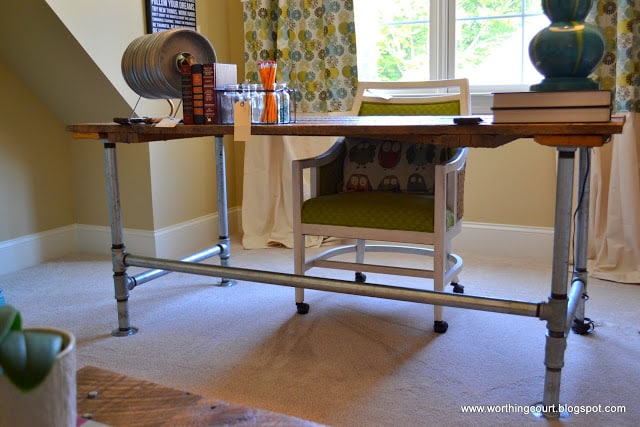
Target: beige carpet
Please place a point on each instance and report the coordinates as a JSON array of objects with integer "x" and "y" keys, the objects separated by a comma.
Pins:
[{"x": 352, "y": 361}]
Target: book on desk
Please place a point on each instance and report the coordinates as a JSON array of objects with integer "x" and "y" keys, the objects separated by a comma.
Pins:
[
  {"x": 552, "y": 107},
  {"x": 199, "y": 83}
]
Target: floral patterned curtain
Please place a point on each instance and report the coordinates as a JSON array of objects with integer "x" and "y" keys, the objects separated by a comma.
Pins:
[
  {"x": 620, "y": 68},
  {"x": 313, "y": 42},
  {"x": 614, "y": 246}
]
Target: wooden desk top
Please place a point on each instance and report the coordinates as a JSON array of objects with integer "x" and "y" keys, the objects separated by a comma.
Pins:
[
  {"x": 118, "y": 400},
  {"x": 424, "y": 129}
]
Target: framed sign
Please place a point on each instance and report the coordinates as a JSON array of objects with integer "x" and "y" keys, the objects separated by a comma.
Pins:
[{"x": 166, "y": 14}]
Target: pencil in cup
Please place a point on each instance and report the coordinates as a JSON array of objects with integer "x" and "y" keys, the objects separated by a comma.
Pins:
[{"x": 267, "y": 70}]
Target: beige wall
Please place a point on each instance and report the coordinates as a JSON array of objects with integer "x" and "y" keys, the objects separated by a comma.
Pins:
[
  {"x": 48, "y": 59},
  {"x": 60, "y": 63},
  {"x": 513, "y": 184},
  {"x": 35, "y": 163}
]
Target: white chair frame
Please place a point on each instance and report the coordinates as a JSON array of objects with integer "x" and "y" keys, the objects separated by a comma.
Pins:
[{"x": 446, "y": 264}]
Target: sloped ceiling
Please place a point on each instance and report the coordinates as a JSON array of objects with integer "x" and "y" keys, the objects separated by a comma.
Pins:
[{"x": 37, "y": 46}]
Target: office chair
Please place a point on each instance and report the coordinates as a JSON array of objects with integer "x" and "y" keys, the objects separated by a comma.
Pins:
[{"x": 408, "y": 195}]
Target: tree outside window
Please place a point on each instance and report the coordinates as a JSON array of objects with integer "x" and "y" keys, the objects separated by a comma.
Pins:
[{"x": 485, "y": 41}]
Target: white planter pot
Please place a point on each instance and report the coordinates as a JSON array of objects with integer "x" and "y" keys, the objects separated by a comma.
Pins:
[{"x": 52, "y": 403}]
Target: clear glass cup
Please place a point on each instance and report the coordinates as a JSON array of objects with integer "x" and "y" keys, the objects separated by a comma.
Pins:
[
  {"x": 284, "y": 110},
  {"x": 257, "y": 104},
  {"x": 230, "y": 96}
]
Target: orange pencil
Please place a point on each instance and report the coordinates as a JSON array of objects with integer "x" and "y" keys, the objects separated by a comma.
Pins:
[{"x": 267, "y": 70}]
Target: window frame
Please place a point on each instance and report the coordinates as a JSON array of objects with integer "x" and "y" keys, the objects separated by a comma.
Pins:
[{"x": 442, "y": 48}]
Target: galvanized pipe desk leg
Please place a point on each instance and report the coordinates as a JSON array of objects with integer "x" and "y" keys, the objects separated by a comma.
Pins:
[
  {"x": 556, "y": 340},
  {"x": 581, "y": 324},
  {"x": 223, "y": 216},
  {"x": 120, "y": 280}
]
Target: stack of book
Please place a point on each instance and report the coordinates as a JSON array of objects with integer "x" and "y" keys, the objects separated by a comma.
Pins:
[
  {"x": 552, "y": 107},
  {"x": 199, "y": 83}
]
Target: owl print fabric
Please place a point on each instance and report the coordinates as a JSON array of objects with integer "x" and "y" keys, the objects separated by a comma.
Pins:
[{"x": 394, "y": 166}]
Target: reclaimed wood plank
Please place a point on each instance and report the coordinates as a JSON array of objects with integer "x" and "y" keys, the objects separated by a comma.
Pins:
[{"x": 119, "y": 400}]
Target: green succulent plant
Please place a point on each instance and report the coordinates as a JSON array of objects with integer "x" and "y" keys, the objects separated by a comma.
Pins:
[{"x": 26, "y": 356}]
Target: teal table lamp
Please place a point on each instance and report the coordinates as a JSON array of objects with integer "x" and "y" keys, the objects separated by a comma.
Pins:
[{"x": 569, "y": 49}]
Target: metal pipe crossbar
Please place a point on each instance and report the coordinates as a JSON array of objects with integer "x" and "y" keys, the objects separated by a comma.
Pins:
[{"x": 340, "y": 286}]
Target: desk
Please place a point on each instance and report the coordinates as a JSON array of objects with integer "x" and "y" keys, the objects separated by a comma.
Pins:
[
  {"x": 118, "y": 400},
  {"x": 564, "y": 309}
]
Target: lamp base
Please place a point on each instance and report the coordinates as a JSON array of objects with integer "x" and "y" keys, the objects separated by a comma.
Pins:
[{"x": 564, "y": 83}]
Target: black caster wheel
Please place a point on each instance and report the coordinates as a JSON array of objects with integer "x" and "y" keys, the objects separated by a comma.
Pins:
[
  {"x": 457, "y": 288},
  {"x": 302, "y": 307},
  {"x": 440, "y": 326},
  {"x": 583, "y": 327},
  {"x": 361, "y": 277}
]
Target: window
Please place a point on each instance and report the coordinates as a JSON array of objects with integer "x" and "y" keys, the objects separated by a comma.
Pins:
[{"x": 486, "y": 41}]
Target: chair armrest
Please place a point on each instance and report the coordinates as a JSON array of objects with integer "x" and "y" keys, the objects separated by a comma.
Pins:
[
  {"x": 331, "y": 160},
  {"x": 457, "y": 161},
  {"x": 329, "y": 156},
  {"x": 326, "y": 169}
]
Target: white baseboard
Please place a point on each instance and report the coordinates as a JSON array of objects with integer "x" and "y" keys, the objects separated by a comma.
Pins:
[
  {"x": 499, "y": 240},
  {"x": 171, "y": 242},
  {"x": 96, "y": 239},
  {"x": 33, "y": 249},
  {"x": 183, "y": 239},
  {"x": 506, "y": 241}
]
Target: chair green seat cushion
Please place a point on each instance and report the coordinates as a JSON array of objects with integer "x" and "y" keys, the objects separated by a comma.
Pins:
[{"x": 373, "y": 209}]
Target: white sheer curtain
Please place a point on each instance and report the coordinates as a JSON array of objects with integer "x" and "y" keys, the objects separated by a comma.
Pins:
[
  {"x": 267, "y": 218},
  {"x": 614, "y": 246}
]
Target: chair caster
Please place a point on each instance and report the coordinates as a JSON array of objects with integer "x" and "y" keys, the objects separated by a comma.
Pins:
[
  {"x": 302, "y": 307},
  {"x": 584, "y": 327},
  {"x": 457, "y": 288},
  {"x": 440, "y": 326},
  {"x": 361, "y": 277}
]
